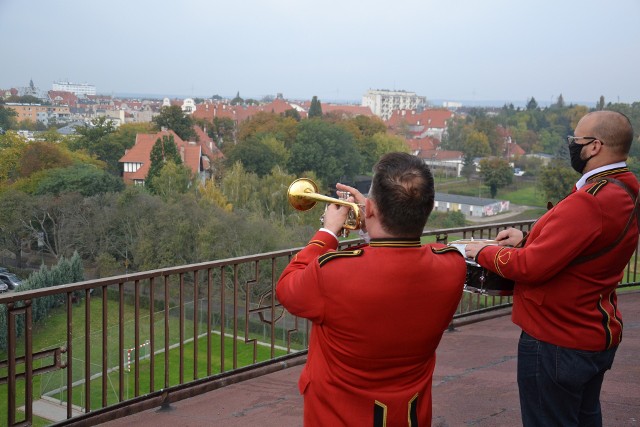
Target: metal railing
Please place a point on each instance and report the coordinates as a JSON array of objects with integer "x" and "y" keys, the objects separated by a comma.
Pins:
[{"x": 148, "y": 339}]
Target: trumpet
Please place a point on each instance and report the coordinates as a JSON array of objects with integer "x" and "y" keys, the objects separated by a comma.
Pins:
[{"x": 303, "y": 195}]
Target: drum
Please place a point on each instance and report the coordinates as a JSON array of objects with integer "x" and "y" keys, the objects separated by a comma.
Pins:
[{"x": 480, "y": 280}]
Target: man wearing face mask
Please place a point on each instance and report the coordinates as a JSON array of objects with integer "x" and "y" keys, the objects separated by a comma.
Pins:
[{"x": 566, "y": 271}]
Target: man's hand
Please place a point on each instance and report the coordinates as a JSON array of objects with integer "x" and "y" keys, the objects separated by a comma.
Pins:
[
  {"x": 335, "y": 217},
  {"x": 357, "y": 196},
  {"x": 508, "y": 237}
]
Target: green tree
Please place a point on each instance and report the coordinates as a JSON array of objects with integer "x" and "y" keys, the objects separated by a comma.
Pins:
[
  {"x": 600, "y": 104},
  {"x": 557, "y": 179},
  {"x": 238, "y": 186},
  {"x": 292, "y": 113},
  {"x": 172, "y": 117},
  {"x": 7, "y": 118},
  {"x": 532, "y": 104},
  {"x": 223, "y": 131},
  {"x": 237, "y": 100},
  {"x": 496, "y": 173},
  {"x": 315, "y": 109},
  {"x": 87, "y": 180},
  {"x": 171, "y": 180},
  {"x": 95, "y": 139},
  {"x": 258, "y": 155},
  {"x": 326, "y": 149},
  {"x": 371, "y": 148},
  {"x": 163, "y": 151}
]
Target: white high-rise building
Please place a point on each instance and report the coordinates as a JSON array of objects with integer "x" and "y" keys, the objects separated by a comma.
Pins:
[
  {"x": 79, "y": 89},
  {"x": 384, "y": 102}
]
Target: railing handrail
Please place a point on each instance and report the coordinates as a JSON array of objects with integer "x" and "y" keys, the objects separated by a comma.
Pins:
[
  {"x": 144, "y": 275},
  {"x": 217, "y": 299}
]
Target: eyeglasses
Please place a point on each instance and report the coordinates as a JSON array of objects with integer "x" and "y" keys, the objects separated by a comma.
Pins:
[{"x": 572, "y": 139}]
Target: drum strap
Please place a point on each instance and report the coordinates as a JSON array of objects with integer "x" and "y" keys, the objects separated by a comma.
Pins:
[{"x": 635, "y": 213}]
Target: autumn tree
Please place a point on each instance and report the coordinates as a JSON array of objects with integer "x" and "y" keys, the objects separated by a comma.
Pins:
[
  {"x": 15, "y": 208},
  {"x": 282, "y": 128},
  {"x": 40, "y": 155},
  {"x": 12, "y": 146}
]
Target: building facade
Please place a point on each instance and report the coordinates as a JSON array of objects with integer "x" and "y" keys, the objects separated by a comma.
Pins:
[
  {"x": 383, "y": 102},
  {"x": 79, "y": 89},
  {"x": 40, "y": 113}
]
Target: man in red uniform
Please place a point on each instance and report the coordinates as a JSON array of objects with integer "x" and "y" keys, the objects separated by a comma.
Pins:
[
  {"x": 566, "y": 275},
  {"x": 379, "y": 310}
]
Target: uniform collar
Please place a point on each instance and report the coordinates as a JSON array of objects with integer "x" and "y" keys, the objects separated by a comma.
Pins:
[
  {"x": 602, "y": 171},
  {"x": 398, "y": 242}
]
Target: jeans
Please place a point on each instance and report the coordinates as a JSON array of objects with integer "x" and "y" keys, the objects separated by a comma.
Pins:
[{"x": 560, "y": 386}]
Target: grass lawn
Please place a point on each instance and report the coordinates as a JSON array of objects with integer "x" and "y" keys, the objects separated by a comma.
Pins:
[{"x": 52, "y": 333}]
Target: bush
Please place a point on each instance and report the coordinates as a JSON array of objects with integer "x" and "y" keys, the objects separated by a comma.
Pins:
[{"x": 65, "y": 272}]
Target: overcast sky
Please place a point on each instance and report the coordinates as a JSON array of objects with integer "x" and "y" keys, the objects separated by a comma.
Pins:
[{"x": 502, "y": 50}]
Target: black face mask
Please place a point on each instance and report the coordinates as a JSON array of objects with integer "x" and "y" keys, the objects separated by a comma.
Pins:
[{"x": 577, "y": 163}]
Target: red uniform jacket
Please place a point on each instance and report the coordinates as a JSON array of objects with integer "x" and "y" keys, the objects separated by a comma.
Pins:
[
  {"x": 378, "y": 314},
  {"x": 556, "y": 300}
]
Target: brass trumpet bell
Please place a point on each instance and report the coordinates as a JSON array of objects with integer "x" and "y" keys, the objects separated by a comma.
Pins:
[{"x": 303, "y": 195}]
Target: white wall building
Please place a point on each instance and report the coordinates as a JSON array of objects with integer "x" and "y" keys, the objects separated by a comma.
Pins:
[
  {"x": 384, "y": 102},
  {"x": 79, "y": 89}
]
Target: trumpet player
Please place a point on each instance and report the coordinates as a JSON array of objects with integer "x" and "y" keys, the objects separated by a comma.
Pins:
[{"x": 379, "y": 310}]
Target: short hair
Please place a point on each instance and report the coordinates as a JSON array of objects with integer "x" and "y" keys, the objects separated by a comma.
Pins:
[
  {"x": 402, "y": 188},
  {"x": 615, "y": 129}
]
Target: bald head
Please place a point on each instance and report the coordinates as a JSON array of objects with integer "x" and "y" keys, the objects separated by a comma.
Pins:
[{"x": 612, "y": 128}]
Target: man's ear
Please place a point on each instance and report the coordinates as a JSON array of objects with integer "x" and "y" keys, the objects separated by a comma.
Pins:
[{"x": 369, "y": 208}]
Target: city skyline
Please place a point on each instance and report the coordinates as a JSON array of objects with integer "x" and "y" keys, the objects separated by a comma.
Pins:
[{"x": 457, "y": 51}]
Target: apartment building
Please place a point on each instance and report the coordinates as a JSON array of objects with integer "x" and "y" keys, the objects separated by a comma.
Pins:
[
  {"x": 383, "y": 102},
  {"x": 79, "y": 89},
  {"x": 40, "y": 113}
]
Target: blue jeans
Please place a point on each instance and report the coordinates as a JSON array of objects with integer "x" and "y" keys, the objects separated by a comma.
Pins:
[{"x": 560, "y": 386}]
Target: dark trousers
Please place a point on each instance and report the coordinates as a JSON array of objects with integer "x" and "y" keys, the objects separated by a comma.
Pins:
[{"x": 560, "y": 386}]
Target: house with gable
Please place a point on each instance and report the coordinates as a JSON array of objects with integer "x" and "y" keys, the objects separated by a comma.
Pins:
[{"x": 196, "y": 155}]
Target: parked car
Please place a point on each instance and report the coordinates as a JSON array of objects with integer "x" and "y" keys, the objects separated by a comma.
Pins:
[
  {"x": 3, "y": 287},
  {"x": 10, "y": 279}
]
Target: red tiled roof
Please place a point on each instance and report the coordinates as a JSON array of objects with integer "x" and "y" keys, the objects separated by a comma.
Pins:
[
  {"x": 63, "y": 97},
  {"x": 431, "y": 118},
  {"x": 420, "y": 144}
]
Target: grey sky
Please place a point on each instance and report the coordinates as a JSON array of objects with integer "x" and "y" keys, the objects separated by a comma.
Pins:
[{"x": 503, "y": 50}]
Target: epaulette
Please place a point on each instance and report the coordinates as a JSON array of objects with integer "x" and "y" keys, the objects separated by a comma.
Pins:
[
  {"x": 593, "y": 190},
  {"x": 323, "y": 259},
  {"x": 317, "y": 243},
  {"x": 445, "y": 250}
]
